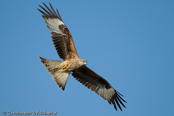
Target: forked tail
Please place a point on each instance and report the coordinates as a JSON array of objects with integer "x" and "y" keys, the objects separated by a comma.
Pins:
[{"x": 59, "y": 76}]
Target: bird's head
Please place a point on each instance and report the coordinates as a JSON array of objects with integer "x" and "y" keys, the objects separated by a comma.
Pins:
[{"x": 83, "y": 62}]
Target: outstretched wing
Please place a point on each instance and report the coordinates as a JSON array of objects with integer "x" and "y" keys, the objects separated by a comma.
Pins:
[
  {"x": 61, "y": 36},
  {"x": 98, "y": 84}
]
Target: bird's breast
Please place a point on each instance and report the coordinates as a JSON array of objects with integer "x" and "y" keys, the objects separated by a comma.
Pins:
[{"x": 73, "y": 64}]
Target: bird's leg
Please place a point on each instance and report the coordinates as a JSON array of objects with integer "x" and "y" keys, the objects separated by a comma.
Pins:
[{"x": 64, "y": 68}]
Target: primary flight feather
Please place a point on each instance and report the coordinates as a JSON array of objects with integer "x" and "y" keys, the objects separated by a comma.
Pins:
[{"x": 60, "y": 70}]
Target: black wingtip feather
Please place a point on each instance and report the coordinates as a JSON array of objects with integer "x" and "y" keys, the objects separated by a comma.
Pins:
[
  {"x": 115, "y": 107},
  {"x": 53, "y": 10},
  {"x": 59, "y": 14},
  {"x": 49, "y": 12},
  {"x": 44, "y": 14},
  {"x": 117, "y": 99},
  {"x": 118, "y": 104},
  {"x": 121, "y": 98}
]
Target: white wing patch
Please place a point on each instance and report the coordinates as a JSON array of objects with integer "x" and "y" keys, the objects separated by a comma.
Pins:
[
  {"x": 53, "y": 24},
  {"x": 105, "y": 93}
]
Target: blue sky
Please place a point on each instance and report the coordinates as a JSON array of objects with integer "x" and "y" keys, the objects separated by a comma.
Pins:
[{"x": 129, "y": 43}]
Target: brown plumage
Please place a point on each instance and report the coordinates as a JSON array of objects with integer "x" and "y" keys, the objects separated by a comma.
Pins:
[
  {"x": 95, "y": 82},
  {"x": 60, "y": 70},
  {"x": 63, "y": 41}
]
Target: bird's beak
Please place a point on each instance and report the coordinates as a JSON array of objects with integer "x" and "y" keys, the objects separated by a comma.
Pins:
[{"x": 85, "y": 62}]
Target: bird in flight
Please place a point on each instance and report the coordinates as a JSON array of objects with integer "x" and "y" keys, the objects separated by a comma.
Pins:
[{"x": 72, "y": 63}]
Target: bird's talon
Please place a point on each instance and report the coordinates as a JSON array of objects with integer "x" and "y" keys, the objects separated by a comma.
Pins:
[{"x": 64, "y": 68}]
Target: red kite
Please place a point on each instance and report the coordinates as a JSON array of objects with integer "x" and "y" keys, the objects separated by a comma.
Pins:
[{"x": 60, "y": 70}]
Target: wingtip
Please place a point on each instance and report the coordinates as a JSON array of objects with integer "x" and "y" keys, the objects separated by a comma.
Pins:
[
  {"x": 40, "y": 6},
  {"x": 43, "y": 3},
  {"x": 50, "y": 4},
  {"x": 115, "y": 107},
  {"x": 39, "y": 10}
]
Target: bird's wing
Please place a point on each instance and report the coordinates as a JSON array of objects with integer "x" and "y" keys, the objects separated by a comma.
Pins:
[
  {"x": 61, "y": 36},
  {"x": 98, "y": 84}
]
